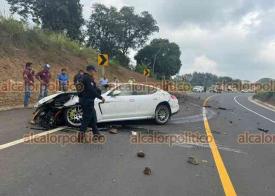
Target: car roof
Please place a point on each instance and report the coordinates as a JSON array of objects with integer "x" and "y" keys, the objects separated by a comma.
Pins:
[{"x": 131, "y": 83}]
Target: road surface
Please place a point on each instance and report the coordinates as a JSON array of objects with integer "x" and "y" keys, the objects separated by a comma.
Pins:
[{"x": 226, "y": 166}]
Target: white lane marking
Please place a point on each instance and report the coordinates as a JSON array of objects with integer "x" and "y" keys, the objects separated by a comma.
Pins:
[
  {"x": 235, "y": 99},
  {"x": 25, "y": 139}
]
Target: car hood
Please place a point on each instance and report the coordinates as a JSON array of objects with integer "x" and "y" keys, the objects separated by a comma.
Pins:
[{"x": 45, "y": 99}]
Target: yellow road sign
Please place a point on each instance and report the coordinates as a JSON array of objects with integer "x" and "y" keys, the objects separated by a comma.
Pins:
[
  {"x": 103, "y": 59},
  {"x": 146, "y": 72}
]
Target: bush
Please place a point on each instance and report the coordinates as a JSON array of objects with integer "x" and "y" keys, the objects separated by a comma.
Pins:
[
  {"x": 17, "y": 33},
  {"x": 265, "y": 96}
]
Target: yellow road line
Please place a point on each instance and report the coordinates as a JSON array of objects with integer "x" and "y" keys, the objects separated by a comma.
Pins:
[{"x": 224, "y": 177}]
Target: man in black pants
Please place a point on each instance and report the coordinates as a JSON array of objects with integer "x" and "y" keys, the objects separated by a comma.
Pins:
[{"x": 87, "y": 92}]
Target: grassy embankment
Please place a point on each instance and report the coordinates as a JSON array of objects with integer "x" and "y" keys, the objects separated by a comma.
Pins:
[{"x": 20, "y": 43}]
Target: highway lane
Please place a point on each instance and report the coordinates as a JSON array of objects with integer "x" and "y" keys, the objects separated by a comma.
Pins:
[
  {"x": 251, "y": 172},
  {"x": 109, "y": 169},
  {"x": 114, "y": 169}
]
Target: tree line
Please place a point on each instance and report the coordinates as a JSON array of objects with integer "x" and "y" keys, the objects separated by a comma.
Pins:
[
  {"x": 207, "y": 79},
  {"x": 108, "y": 29}
]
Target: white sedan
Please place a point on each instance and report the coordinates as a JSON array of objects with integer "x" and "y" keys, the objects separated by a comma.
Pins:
[{"x": 124, "y": 101}]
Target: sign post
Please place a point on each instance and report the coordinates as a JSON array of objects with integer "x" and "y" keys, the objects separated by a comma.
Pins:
[
  {"x": 103, "y": 61},
  {"x": 146, "y": 73}
]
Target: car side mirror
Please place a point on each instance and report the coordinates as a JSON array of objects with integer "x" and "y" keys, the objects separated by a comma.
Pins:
[{"x": 116, "y": 93}]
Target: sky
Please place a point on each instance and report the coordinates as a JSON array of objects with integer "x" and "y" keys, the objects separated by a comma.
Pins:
[{"x": 233, "y": 38}]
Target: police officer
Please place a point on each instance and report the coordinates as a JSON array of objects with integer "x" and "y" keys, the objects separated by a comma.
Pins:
[{"x": 87, "y": 92}]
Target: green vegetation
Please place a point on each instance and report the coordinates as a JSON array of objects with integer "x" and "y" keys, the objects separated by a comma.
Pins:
[
  {"x": 17, "y": 34},
  {"x": 115, "y": 31},
  {"x": 264, "y": 80},
  {"x": 208, "y": 79},
  {"x": 63, "y": 16},
  {"x": 266, "y": 97},
  {"x": 109, "y": 30},
  {"x": 161, "y": 56}
]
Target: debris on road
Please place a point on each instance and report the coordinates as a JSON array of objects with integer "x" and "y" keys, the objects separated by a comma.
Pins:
[
  {"x": 147, "y": 171},
  {"x": 231, "y": 122},
  {"x": 207, "y": 106},
  {"x": 193, "y": 161},
  {"x": 113, "y": 131},
  {"x": 216, "y": 132},
  {"x": 263, "y": 130},
  {"x": 141, "y": 154},
  {"x": 222, "y": 108},
  {"x": 204, "y": 161},
  {"x": 134, "y": 133}
]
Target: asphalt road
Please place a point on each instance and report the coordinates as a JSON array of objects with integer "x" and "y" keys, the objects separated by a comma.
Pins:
[{"x": 114, "y": 168}]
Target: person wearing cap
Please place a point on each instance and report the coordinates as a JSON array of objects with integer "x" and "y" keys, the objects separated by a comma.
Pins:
[
  {"x": 88, "y": 92},
  {"x": 28, "y": 76},
  {"x": 44, "y": 77}
]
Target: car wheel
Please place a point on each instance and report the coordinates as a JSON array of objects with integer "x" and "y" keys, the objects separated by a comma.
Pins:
[
  {"x": 73, "y": 116},
  {"x": 162, "y": 114}
]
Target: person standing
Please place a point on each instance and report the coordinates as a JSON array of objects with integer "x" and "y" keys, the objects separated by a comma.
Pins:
[
  {"x": 63, "y": 80},
  {"x": 28, "y": 76},
  {"x": 104, "y": 82},
  {"x": 44, "y": 77},
  {"x": 115, "y": 80},
  {"x": 78, "y": 76},
  {"x": 87, "y": 92}
]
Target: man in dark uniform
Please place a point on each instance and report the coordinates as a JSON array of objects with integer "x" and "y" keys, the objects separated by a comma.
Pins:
[{"x": 87, "y": 92}]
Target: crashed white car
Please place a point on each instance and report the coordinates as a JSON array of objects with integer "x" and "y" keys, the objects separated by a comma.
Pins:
[{"x": 125, "y": 101}]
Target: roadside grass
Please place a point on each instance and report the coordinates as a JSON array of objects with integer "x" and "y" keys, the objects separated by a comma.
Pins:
[
  {"x": 265, "y": 97},
  {"x": 16, "y": 34}
]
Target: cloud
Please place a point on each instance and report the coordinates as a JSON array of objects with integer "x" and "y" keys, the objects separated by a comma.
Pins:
[
  {"x": 267, "y": 54},
  {"x": 204, "y": 64}
]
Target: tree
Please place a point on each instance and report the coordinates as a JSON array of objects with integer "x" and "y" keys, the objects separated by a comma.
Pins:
[
  {"x": 60, "y": 16},
  {"x": 161, "y": 56},
  {"x": 115, "y": 32},
  {"x": 103, "y": 28},
  {"x": 135, "y": 29},
  {"x": 140, "y": 68}
]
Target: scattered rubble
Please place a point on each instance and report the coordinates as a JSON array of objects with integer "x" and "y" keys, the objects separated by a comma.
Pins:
[
  {"x": 113, "y": 131},
  {"x": 263, "y": 130},
  {"x": 141, "y": 154},
  {"x": 147, "y": 171},
  {"x": 134, "y": 133},
  {"x": 216, "y": 132},
  {"x": 193, "y": 161}
]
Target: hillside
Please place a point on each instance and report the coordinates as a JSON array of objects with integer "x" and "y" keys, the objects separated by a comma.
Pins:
[
  {"x": 20, "y": 44},
  {"x": 265, "y": 80}
]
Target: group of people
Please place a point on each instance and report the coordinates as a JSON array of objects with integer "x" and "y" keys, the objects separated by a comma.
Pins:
[
  {"x": 43, "y": 77},
  {"x": 85, "y": 85}
]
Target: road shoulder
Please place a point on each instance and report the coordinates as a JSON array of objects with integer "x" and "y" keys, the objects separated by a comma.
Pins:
[{"x": 262, "y": 104}]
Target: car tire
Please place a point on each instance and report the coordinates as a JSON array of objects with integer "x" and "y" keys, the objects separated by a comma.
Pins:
[
  {"x": 73, "y": 116},
  {"x": 162, "y": 114}
]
